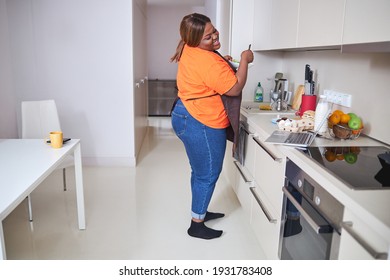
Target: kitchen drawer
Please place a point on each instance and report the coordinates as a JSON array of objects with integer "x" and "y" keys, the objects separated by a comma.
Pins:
[
  {"x": 360, "y": 242},
  {"x": 269, "y": 173},
  {"x": 265, "y": 223},
  {"x": 229, "y": 169},
  {"x": 242, "y": 188}
]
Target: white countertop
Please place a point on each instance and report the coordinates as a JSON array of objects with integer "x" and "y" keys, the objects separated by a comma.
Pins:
[{"x": 372, "y": 206}]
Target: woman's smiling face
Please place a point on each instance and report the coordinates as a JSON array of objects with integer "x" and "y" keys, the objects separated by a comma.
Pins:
[{"x": 210, "y": 39}]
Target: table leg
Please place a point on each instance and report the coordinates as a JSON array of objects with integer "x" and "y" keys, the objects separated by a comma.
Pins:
[
  {"x": 2, "y": 243},
  {"x": 79, "y": 187}
]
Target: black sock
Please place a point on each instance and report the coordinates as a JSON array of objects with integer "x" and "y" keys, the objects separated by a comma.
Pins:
[
  {"x": 199, "y": 230},
  {"x": 211, "y": 216}
]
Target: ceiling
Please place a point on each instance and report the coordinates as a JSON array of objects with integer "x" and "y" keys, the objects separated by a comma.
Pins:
[{"x": 177, "y": 2}]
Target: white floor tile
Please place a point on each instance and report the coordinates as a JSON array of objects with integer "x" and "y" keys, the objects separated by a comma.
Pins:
[{"x": 131, "y": 213}]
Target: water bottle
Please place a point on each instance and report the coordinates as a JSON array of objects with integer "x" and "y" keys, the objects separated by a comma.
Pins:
[
  {"x": 259, "y": 93},
  {"x": 322, "y": 110}
]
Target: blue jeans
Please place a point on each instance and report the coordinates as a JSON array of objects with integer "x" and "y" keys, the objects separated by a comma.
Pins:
[{"x": 205, "y": 147}]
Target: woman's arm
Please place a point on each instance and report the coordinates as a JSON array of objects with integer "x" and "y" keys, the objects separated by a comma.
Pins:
[{"x": 241, "y": 74}]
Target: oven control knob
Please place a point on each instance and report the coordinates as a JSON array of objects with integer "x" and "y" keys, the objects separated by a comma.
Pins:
[
  {"x": 300, "y": 184},
  {"x": 317, "y": 200}
]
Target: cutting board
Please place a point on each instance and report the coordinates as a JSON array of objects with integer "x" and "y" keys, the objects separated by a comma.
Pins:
[{"x": 297, "y": 99}]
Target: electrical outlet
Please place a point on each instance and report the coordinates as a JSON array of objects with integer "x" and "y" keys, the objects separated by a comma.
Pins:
[{"x": 340, "y": 98}]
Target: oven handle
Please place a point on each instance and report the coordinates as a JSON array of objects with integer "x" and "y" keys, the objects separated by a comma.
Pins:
[
  {"x": 246, "y": 130},
  {"x": 317, "y": 228},
  {"x": 261, "y": 204},
  {"x": 347, "y": 226},
  {"x": 275, "y": 158}
]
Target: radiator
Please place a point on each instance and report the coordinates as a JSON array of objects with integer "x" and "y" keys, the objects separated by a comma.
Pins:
[{"x": 162, "y": 93}]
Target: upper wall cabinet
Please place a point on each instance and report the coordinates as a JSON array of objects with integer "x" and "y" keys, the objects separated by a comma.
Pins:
[
  {"x": 290, "y": 24},
  {"x": 275, "y": 24},
  {"x": 320, "y": 23},
  {"x": 313, "y": 24},
  {"x": 366, "y": 21}
]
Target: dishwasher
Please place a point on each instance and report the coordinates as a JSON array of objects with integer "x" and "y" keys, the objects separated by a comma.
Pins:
[{"x": 311, "y": 219}]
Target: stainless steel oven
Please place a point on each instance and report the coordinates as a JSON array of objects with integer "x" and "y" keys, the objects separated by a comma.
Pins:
[
  {"x": 244, "y": 133},
  {"x": 311, "y": 219}
]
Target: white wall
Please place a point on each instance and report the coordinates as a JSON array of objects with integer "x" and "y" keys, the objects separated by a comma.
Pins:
[
  {"x": 163, "y": 33},
  {"x": 78, "y": 53},
  {"x": 8, "y": 125},
  {"x": 163, "y": 37}
]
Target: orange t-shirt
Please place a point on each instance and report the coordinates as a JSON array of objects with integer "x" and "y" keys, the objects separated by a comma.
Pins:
[{"x": 202, "y": 77}]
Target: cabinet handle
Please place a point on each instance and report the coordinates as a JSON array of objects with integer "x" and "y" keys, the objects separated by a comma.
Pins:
[
  {"x": 241, "y": 172},
  {"x": 275, "y": 158},
  {"x": 347, "y": 226},
  {"x": 263, "y": 208}
]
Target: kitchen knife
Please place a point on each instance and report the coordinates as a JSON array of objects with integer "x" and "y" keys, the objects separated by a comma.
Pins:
[
  {"x": 307, "y": 72},
  {"x": 307, "y": 77}
]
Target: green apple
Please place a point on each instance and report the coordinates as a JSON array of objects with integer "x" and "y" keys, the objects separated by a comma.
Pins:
[
  {"x": 351, "y": 158},
  {"x": 352, "y": 115},
  {"x": 355, "y": 123}
]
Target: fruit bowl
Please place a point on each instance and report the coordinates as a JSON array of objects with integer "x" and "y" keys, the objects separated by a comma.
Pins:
[{"x": 342, "y": 131}]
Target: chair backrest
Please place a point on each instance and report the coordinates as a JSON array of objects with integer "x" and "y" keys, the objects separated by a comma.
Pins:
[{"x": 39, "y": 118}]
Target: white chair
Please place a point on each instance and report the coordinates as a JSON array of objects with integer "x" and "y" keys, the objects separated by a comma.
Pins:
[{"x": 38, "y": 119}]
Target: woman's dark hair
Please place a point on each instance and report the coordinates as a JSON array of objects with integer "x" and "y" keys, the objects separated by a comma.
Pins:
[{"x": 191, "y": 31}]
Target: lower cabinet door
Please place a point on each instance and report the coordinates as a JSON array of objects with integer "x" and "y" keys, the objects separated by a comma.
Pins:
[
  {"x": 361, "y": 242},
  {"x": 265, "y": 222},
  {"x": 242, "y": 189}
]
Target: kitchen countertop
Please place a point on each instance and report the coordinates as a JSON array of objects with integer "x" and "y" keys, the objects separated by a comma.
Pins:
[{"x": 372, "y": 206}]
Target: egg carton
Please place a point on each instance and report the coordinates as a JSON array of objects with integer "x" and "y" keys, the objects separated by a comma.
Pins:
[{"x": 296, "y": 125}]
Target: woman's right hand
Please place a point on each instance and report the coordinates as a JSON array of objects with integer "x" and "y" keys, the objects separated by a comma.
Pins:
[{"x": 247, "y": 56}]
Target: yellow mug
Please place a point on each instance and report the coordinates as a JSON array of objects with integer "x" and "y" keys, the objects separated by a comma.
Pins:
[{"x": 56, "y": 139}]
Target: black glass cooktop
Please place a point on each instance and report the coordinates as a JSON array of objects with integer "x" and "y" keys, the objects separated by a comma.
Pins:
[{"x": 362, "y": 168}]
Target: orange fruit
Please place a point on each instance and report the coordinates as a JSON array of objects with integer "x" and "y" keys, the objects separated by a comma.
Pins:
[
  {"x": 334, "y": 118},
  {"x": 338, "y": 112},
  {"x": 345, "y": 118},
  {"x": 330, "y": 156},
  {"x": 340, "y": 156},
  {"x": 355, "y": 150}
]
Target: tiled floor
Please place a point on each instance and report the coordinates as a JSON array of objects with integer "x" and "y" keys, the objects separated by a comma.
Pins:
[{"x": 132, "y": 213}]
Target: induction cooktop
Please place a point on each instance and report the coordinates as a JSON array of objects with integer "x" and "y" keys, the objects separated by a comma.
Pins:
[{"x": 361, "y": 168}]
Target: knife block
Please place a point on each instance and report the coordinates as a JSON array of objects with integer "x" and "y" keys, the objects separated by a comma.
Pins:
[{"x": 309, "y": 102}]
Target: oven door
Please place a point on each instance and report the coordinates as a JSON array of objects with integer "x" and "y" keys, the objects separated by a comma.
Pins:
[
  {"x": 305, "y": 233},
  {"x": 239, "y": 154}
]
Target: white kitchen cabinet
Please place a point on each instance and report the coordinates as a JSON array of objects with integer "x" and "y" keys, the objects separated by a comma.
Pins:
[
  {"x": 265, "y": 222},
  {"x": 366, "y": 21},
  {"x": 242, "y": 187},
  {"x": 284, "y": 24},
  {"x": 244, "y": 177},
  {"x": 359, "y": 241},
  {"x": 241, "y": 26},
  {"x": 262, "y": 24},
  {"x": 140, "y": 72},
  {"x": 320, "y": 23},
  {"x": 269, "y": 173},
  {"x": 229, "y": 170},
  {"x": 267, "y": 195},
  {"x": 275, "y": 24}
]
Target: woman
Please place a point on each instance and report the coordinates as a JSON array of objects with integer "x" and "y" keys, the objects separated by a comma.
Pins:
[{"x": 199, "y": 117}]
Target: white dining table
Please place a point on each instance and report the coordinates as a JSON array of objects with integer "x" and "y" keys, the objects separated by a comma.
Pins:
[{"x": 24, "y": 164}]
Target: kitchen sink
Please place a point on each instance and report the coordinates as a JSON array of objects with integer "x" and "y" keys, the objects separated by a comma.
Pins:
[{"x": 250, "y": 107}]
